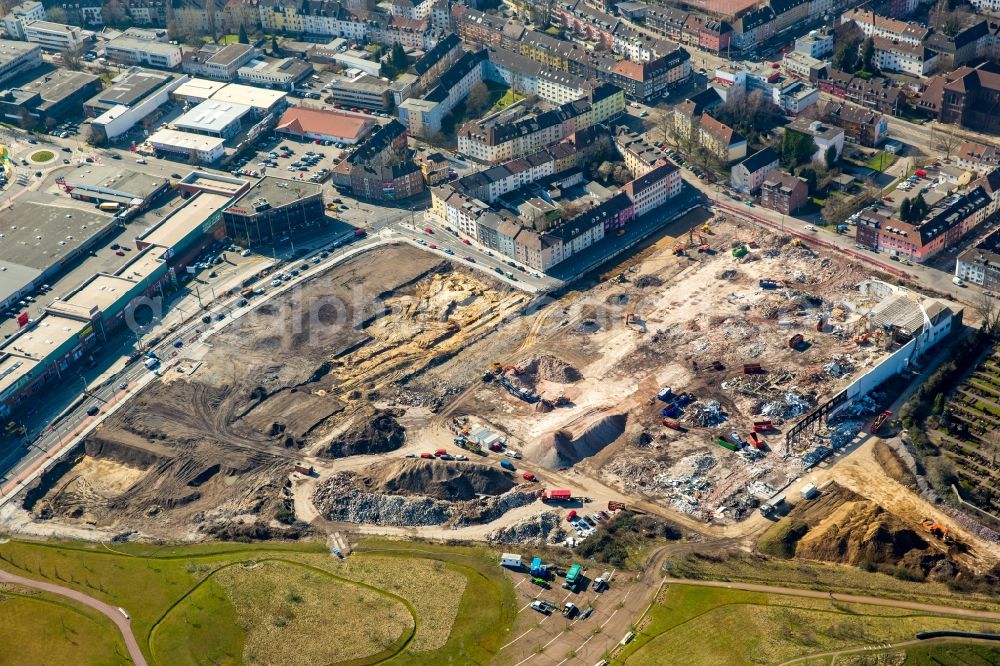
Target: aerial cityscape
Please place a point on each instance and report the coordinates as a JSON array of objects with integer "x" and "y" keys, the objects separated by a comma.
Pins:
[{"x": 520, "y": 332}]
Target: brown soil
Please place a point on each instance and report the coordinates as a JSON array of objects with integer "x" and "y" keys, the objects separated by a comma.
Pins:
[
  {"x": 367, "y": 431},
  {"x": 893, "y": 466},
  {"x": 582, "y": 439},
  {"x": 434, "y": 478}
]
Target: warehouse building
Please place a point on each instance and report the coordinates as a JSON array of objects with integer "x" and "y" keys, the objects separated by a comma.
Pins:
[
  {"x": 222, "y": 120},
  {"x": 194, "y": 148},
  {"x": 336, "y": 126},
  {"x": 135, "y": 97},
  {"x": 53, "y": 98},
  {"x": 112, "y": 184}
]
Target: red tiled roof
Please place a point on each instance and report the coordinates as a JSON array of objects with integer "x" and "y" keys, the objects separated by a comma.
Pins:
[{"x": 299, "y": 120}]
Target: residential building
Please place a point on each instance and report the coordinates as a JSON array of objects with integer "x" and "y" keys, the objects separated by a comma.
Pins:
[
  {"x": 218, "y": 63},
  {"x": 278, "y": 74},
  {"x": 944, "y": 226},
  {"x": 981, "y": 264},
  {"x": 749, "y": 175},
  {"x": 901, "y": 56},
  {"x": 362, "y": 91},
  {"x": 720, "y": 140},
  {"x": 311, "y": 124},
  {"x": 388, "y": 182},
  {"x": 862, "y": 126},
  {"x": 877, "y": 93},
  {"x": 147, "y": 12},
  {"x": 874, "y": 25},
  {"x": 816, "y": 44},
  {"x": 969, "y": 44},
  {"x": 805, "y": 66},
  {"x": 824, "y": 135},
  {"x": 275, "y": 208},
  {"x": 132, "y": 51},
  {"x": 422, "y": 115},
  {"x": 651, "y": 190},
  {"x": 783, "y": 192},
  {"x": 436, "y": 61},
  {"x": 978, "y": 157}
]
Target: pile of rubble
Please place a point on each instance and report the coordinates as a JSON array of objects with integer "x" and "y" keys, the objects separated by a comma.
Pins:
[
  {"x": 705, "y": 413},
  {"x": 839, "y": 365},
  {"x": 545, "y": 528},
  {"x": 787, "y": 406}
]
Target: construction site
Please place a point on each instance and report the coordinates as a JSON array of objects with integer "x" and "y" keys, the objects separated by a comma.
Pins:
[{"x": 698, "y": 378}]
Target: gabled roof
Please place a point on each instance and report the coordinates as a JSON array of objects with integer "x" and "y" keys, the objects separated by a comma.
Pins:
[{"x": 759, "y": 160}]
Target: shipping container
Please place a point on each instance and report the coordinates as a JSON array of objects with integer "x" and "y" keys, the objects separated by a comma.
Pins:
[
  {"x": 726, "y": 445},
  {"x": 556, "y": 495},
  {"x": 510, "y": 560}
]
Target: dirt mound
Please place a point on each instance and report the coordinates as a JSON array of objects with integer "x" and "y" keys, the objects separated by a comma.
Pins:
[
  {"x": 434, "y": 478},
  {"x": 648, "y": 281},
  {"x": 375, "y": 431},
  {"x": 862, "y": 532},
  {"x": 550, "y": 368},
  {"x": 570, "y": 445}
]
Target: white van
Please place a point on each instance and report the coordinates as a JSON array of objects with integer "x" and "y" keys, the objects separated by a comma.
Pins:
[{"x": 957, "y": 281}]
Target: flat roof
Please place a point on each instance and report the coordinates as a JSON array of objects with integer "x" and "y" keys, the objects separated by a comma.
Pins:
[
  {"x": 212, "y": 116},
  {"x": 60, "y": 84},
  {"x": 207, "y": 180},
  {"x": 12, "y": 368},
  {"x": 147, "y": 262},
  {"x": 278, "y": 192},
  {"x": 101, "y": 291},
  {"x": 13, "y": 277},
  {"x": 186, "y": 140},
  {"x": 185, "y": 219},
  {"x": 200, "y": 88},
  {"x": 131, "y": 89},
  {"x": 47, "y": 334},
  {"x": 11, "y": 50},
  {"x": 38, "y": 235},
  {"x": 114, "y": 179},
  {"x": 258, "y": 98},
  {"x": 135, "y": 44}
]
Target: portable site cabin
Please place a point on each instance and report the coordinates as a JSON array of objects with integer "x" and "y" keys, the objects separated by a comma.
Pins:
[{"x": 510, "y": 560}]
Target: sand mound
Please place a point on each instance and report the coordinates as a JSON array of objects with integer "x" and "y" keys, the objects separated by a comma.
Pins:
[
  {"x": 368, "y": 432},
  {"x": 550, "y": 368},
  {"x": 859, "y": 532},
  {"x": 434, "y": 478},
  {"x": 572, "y": 444}
]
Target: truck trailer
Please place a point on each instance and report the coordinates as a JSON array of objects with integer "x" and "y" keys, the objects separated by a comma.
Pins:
[{"x": 556, "y": 495}]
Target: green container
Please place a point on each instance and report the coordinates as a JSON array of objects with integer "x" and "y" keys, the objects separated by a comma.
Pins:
[
  {"x": 725, "y": 444},
  {"x": 740, "y": 251}
]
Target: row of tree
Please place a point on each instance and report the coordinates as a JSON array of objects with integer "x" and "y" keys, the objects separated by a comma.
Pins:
[{"x": 913, "y": 210}]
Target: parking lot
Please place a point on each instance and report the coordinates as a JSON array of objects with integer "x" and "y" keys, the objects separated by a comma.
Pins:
[{"x": 287, "y": 158}]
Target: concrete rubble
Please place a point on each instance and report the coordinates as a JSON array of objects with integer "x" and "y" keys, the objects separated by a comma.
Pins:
[{"x": 545, "y": 528}]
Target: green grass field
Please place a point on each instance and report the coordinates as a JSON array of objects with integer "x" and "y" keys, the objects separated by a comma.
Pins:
[
  {"x": 39, "y": 628},
  {"x": 42, "y": 156},
  {"x": 250, "y": 603},
  {"x": 700, "y": 625}
]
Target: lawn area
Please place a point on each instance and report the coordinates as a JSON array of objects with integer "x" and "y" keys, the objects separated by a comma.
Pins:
[
  {"x": 957, "y": 653},
  {"x": 700, "y": 625},
  {"x": 507, "y": 99},
  {"x": 42, "y": 156},
  {"x": 881, "y": 161},
  {"x": 256, "y": 613},
  {"x": 252, "y": 603},
  {"x": 39, "y": 628}
]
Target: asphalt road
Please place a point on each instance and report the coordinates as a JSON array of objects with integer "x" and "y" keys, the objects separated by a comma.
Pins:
[{"x": 124, "y": 624}]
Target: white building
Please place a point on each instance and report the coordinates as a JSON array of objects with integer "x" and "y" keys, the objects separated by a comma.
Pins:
[
  {"x": 54, "y": 36},
  {"x": 899, "y": 56},
  {"x": 20, "y": 15},
  {"x": 193, "y": 147},
  {"x": 750, "y": 174},
  {"x": 823, "y": 135},
  {"x": 280, "y": 74},
  {"x": 133, "y": 51},
  {"x": 17, "y": 58}
]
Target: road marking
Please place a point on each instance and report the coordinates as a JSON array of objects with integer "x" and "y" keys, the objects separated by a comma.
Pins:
[
  {"x": 519, "y": 584},
  {"x": 609, "y": 618},
  {"x": 517, "y": 639}
]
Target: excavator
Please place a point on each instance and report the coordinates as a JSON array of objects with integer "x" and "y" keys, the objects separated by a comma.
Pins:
[{"x": 937, "y": 530}]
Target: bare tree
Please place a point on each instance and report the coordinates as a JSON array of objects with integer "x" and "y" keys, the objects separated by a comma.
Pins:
[
  {"x": 73, "y": 58},
  {"x": 56, "y": 15},
  {"x": 989, "y": 310},
  {"x": 478, "y": 99},
  {"x": 944, "y": 141},
  {"x": 114, "y": 13}
]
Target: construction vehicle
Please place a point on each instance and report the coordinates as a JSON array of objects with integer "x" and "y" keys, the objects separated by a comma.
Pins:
[
  {"x": 796, "y": 242},
  {"x": 665, "y": 394},
  {"x": 768, "y": 508},
  {"x": 679, "y": 250},
  {"x": 705, "y": 228},
  {"x": 880, "y": 421},
  {"x": 937, "y": 530},
  {"x": 620, "y": 278},
  {"x": 556, "y": 496},
  {"x": 820, "y": 324},
  {"x": 796, "y": 340},
  {"x": 528, "y": 476}
]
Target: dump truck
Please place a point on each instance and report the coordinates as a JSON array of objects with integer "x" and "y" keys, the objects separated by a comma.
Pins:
[
  {"x": 937, "y": 530},
  {"x": 769, "y": 507},
  {"x": 556, "y": 495},
  {"x": 573, "y": 576}
]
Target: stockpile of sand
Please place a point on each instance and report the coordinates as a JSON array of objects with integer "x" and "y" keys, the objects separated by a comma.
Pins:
[
  {"x": 437, "y": 479},
  {"x": 568, "y": 446},
  {"x": 549, "y": 368},
  {"x": 862, "y": 532}
]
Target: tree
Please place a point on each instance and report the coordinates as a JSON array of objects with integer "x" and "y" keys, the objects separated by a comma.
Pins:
[
  {"x": 398, "y": 57},
  {"x": 275, "y": 49},
  {"x": 750, "y": 115},
  {"x": 478, "y": 99},
  {"x": 113, "y": 13},
  {"x": 946, "y": 142},
  {"x": 605, "y": 171},
  {"x": 540, "y": 13},
  {"x": 244, "y": 37},
  {"x": 809, "y": 175},
  {"x": 904, "y": 210},
  {"x": 989, "y": 311},
  {"x": 73, "y": 58},
  {"x": 796, "y": 148},
  {"x": 830, "y": 157},
  {"x": 867, "y": 55},
  {"x": 56, "y": 15}
]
